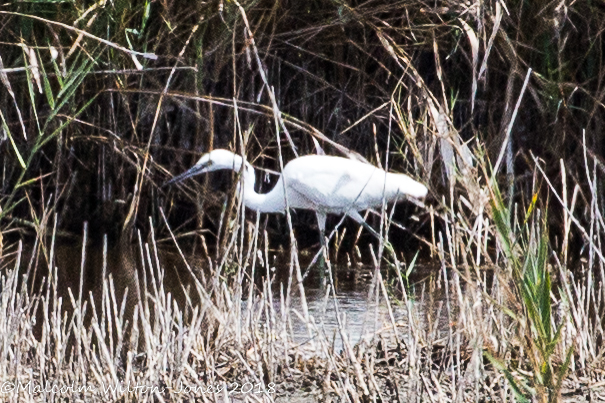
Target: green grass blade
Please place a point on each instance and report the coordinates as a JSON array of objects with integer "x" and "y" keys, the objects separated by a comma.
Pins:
[
  {"x": 10, "y": 136},
  {"x": 564, "y": 368},
  {"x": 71, "y": 85},
  {"x": 411, "y": 266},
  {"x": 47, "y": 87},
  {"x": 67, "y": 123},
  {"x": 516, "y": 388}
]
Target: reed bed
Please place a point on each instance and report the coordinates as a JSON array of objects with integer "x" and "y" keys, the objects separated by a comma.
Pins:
[{"x": 134, "y": 341}]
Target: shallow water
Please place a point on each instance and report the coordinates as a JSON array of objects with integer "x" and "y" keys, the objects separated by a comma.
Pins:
[{"x": 362, "y": 307}]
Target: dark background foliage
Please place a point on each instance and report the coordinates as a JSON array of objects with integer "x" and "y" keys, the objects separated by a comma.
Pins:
[{"x": 336, "y": 66}]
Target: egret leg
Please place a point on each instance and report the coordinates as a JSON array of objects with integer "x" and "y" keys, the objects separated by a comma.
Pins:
[
  {"x": 321, "y": 223},
  {"x": 357, "y": 217}
]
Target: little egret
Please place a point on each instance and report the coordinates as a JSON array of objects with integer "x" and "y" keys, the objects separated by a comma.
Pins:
[{"x": 321, "y": 183}]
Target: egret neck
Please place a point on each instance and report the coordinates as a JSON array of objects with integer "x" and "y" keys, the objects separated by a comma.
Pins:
[{"x": 272, "y": 202}]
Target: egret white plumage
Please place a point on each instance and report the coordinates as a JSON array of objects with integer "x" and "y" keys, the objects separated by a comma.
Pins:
[{"x": 321, "y": 183}]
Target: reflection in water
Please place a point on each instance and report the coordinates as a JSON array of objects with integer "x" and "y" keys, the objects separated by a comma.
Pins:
[
  {"x": 362, "y": 307},
  {"x": 78, "y": 269},
  {"x": 358, "y": 315}
]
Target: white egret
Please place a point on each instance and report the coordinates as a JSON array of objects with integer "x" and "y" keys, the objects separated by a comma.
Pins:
[{"x": 321, "y": 183}]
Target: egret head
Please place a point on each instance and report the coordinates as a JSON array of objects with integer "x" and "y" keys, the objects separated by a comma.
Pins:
[{"x": 212, "y": 161}]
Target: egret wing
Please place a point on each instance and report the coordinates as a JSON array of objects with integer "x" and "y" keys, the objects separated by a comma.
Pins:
[{"x": 332, "y": 184}]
